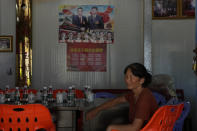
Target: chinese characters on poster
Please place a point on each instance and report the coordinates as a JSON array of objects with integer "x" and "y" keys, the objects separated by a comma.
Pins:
[{"x": 86, "y": 57}]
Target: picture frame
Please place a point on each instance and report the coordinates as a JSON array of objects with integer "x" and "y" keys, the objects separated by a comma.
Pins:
[
  {"x": 173, "y": 9},
  {"x": 6, "y": 43},
  {"x": 165, "y": 9},
  {"x": 187, "y": 8}
]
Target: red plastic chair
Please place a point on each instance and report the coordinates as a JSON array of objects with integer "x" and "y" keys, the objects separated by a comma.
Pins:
[
  {"x": 29, "y": 117},
  {"x": 163, "y": 119},
  {"x": 79, "y": 93},
  {"x": 34, "y": 91},
  {"x": 1, "y": 91}
]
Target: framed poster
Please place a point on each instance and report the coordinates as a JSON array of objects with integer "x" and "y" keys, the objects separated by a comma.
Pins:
[
  {"x": 188, "y": 8},
  {"x": 86, "y": 57},
  {"x": 6, "y": 43},
  {"x": 173, "y": 9},
  {"x": 164, "y": 9},
  {"x": 86, "y": 24}
]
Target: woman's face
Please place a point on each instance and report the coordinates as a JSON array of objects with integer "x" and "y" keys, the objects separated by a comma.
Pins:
[{"x": 133, "y": 81}]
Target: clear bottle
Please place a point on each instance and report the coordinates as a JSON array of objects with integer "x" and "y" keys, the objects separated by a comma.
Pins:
[
  {"x": 89, "y": 94},
  {"x": 85, "y": 91},
  {"x": 59, "y": 98},
  {"x": 39, "y": 96},
  {"x": 2, "y": 98},
  {"x": 50, "y": 93},
  {"x": 31, "y": 97},
  {"x": 65, "y": 96},
  {"x": 17, "y": 96},
  {"x": 44, "y": 96},
  {"x": 7, "y": 93},
  {"x": 25, "y": 94},
  {"x": 71, "y": 96}
]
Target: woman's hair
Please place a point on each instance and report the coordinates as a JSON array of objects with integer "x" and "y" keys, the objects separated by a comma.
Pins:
[{"x": 140, "y": 71}]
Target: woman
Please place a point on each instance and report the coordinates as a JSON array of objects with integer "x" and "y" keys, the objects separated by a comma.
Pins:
[{"x": 142, "y": 102}]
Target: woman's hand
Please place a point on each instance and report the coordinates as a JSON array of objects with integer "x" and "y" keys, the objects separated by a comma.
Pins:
[
  {"x": 105, "y": 106},
  {"x": 111, "y": 128},
  {"x": 90, "y": 115}
]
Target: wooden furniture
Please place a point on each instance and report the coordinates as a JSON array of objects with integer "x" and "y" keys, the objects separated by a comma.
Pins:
[{"x": 66, "y": 118}]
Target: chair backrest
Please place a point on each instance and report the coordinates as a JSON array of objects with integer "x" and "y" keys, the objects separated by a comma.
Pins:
[
  {"x": 34, "y": 91},
  {"x": 159, "y": 98},
  {"x": 164, "y": 118},
  {"x": 173, "y": 101},
  {"x": 79, "y": 93},
  {"x": 104, "y": 95},
  {"x": 30, "y": 117},
  {"x": 163, "y": 84},
  {"x": 179, "y": 123},
  {"x": 180, "y": 94},
  {"x": 1, "y": 91}
]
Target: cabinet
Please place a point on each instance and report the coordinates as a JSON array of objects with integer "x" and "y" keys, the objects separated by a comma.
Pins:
[{"x": 66, "y": 118}]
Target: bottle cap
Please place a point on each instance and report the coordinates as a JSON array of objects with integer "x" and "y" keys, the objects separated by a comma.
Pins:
[
  {"x": 86, "y": 86},
  {"x": 73, "y": 86}
]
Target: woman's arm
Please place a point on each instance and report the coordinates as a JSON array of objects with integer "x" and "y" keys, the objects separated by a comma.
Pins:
[
  {"x": 135, "y": 126},
  {"x": 104, "y": 106}
]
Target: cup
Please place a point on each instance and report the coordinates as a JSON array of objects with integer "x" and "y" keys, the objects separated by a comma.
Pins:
[{"x": 90, "y": 97}]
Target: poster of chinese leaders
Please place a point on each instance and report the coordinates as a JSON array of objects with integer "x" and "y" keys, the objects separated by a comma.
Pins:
[{"x": 86, "y": 24}]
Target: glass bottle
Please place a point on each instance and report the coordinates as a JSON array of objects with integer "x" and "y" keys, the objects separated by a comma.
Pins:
[
  {"x": 7, "y": 93},
  {"x": 50, "y": 93},
  {"x": 17, "y": 96},
  {"x": 71, "y": 96},
  {"x": 44, "y": 96},
  {"x": 25, "y": 94}
]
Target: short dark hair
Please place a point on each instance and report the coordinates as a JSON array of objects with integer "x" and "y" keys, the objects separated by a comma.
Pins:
[
  {"x": 94, "y": 7},
  {"x": 140, "y": 71},
  {"x": 79, "y": 8}
]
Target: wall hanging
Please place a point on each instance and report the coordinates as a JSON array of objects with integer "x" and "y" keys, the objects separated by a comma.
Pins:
[
  {"x": 173, "y": 9},
  {"x": 6, "y": 43}
]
